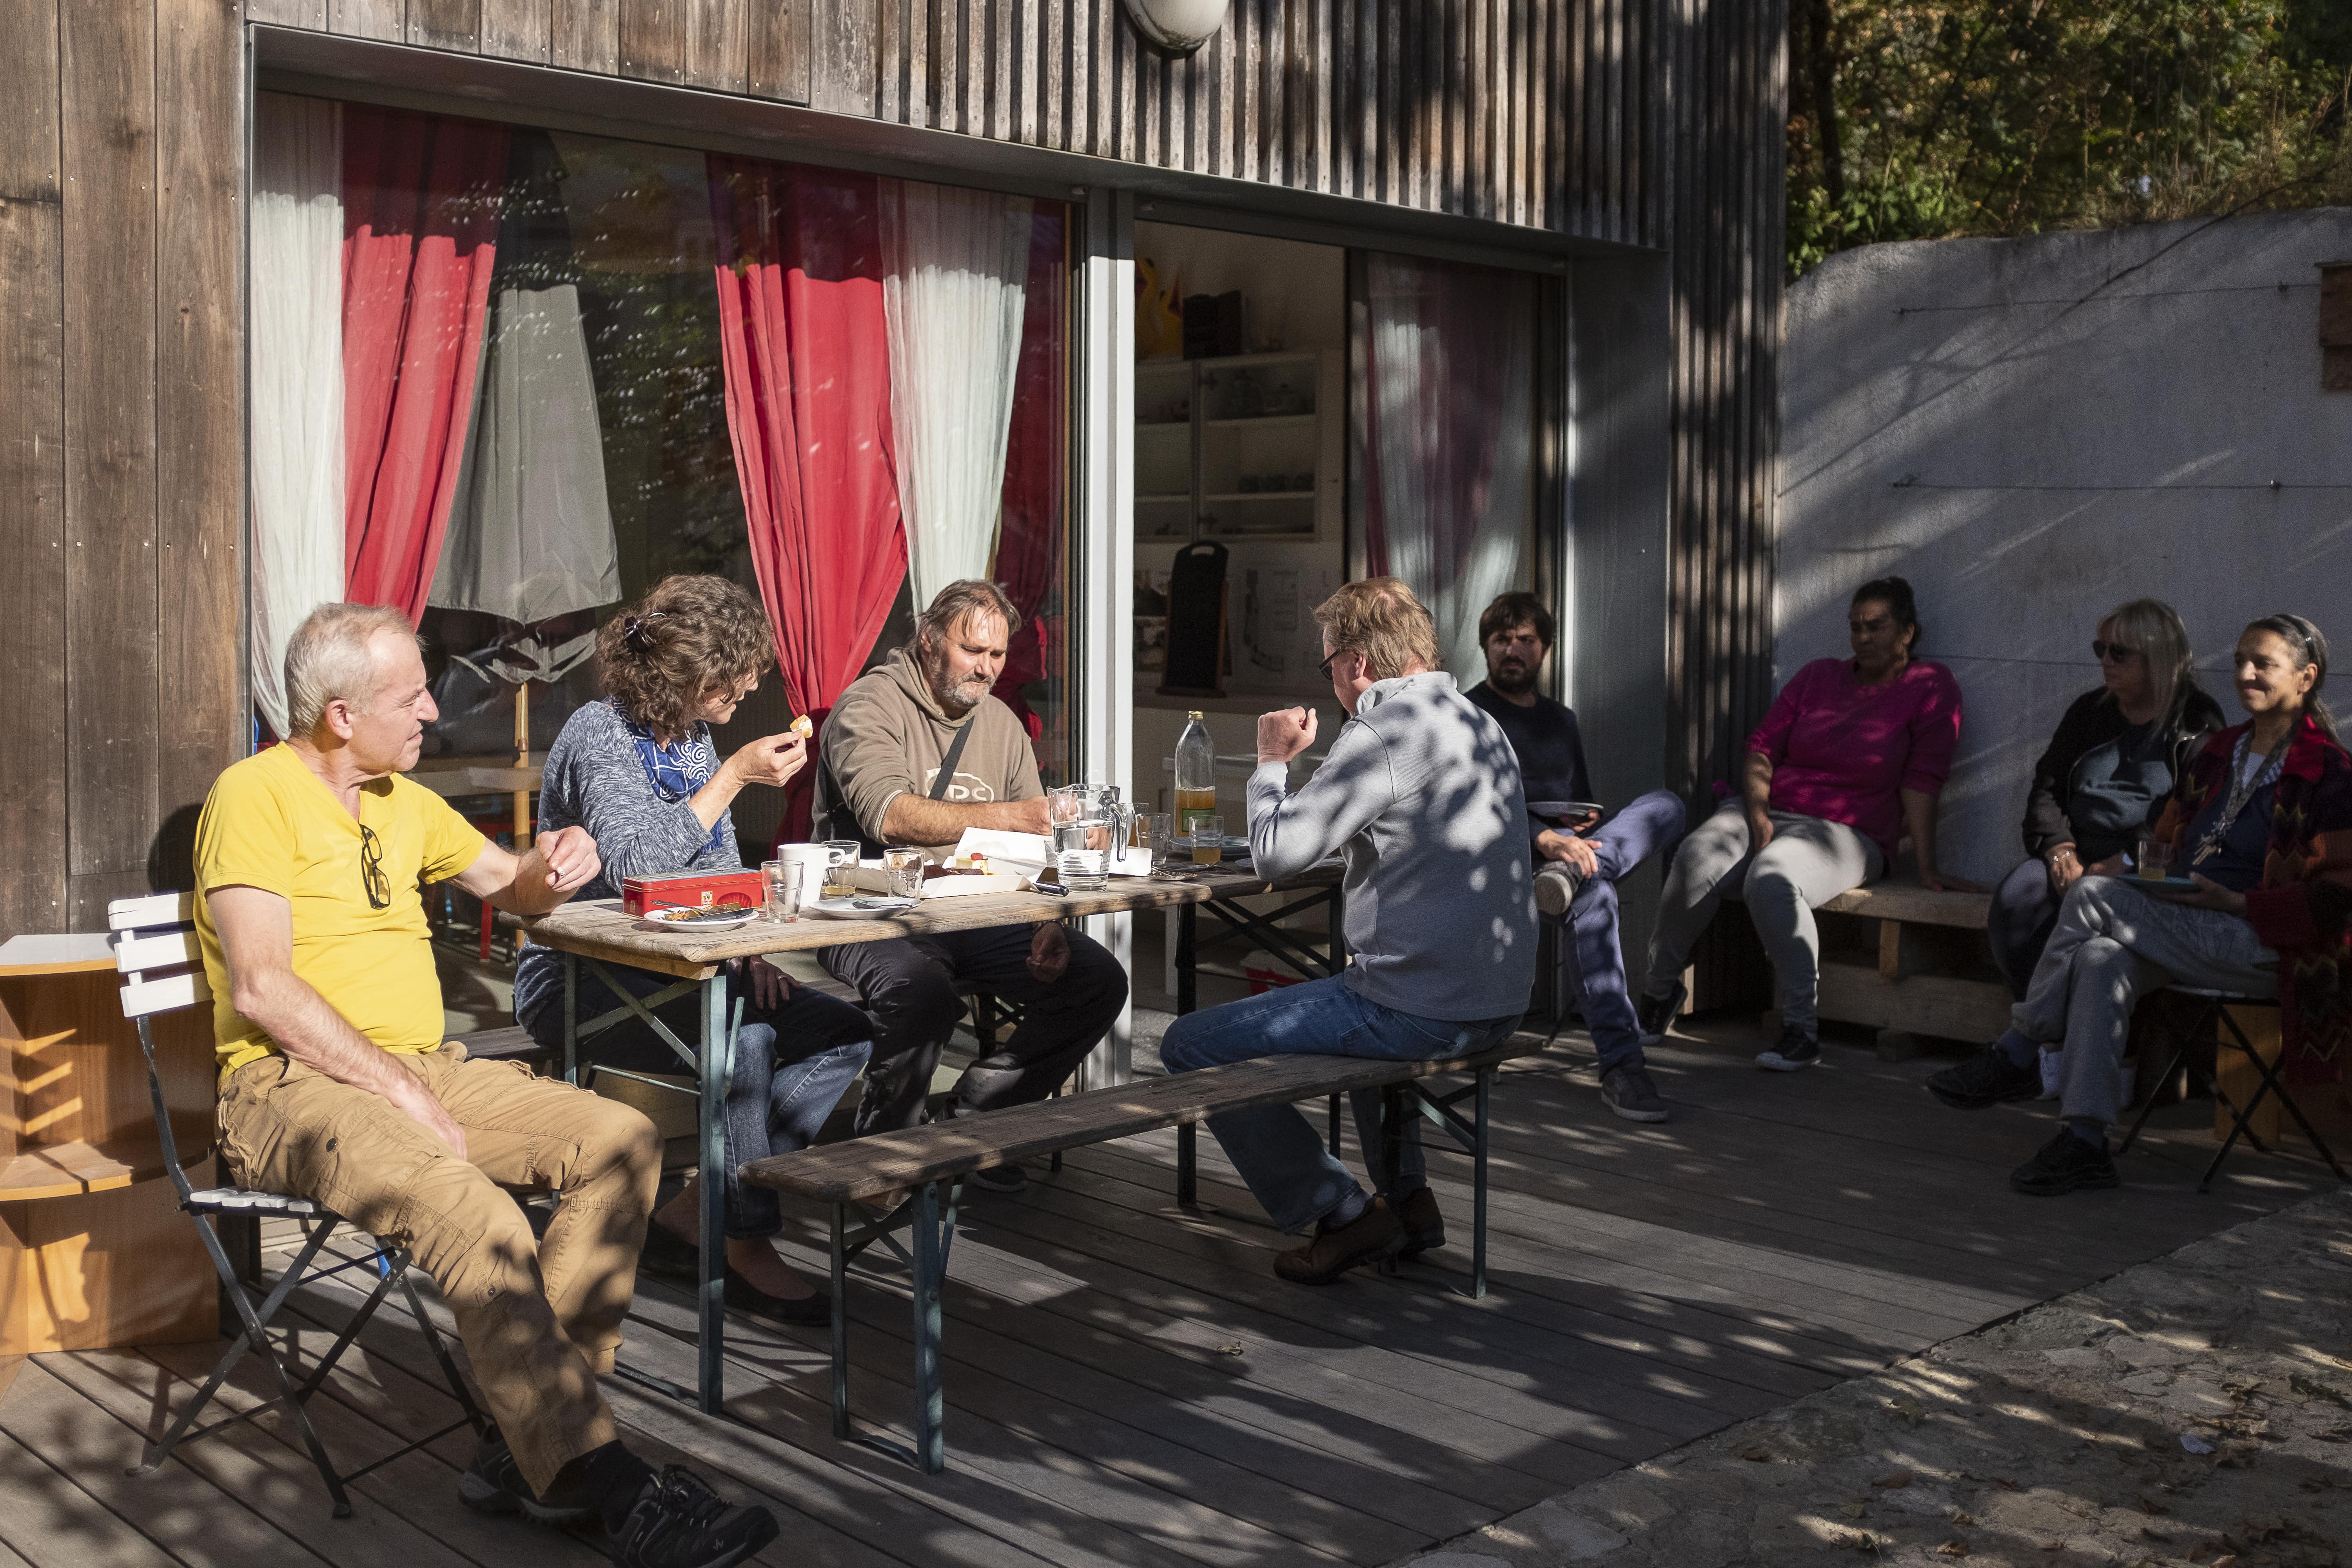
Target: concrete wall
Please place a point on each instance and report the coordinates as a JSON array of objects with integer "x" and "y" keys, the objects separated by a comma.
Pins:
[{"x": 2033, "y": 430}]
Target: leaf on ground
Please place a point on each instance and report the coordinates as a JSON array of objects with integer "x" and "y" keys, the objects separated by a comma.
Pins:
[
  {"x": 2150, "y": 1505},
  {"x": 1756, "y": 1452},
  {"x": 1953, "y": 1548},
  {"x": 1851, "y": 1510},
  {"x": 2004, "y": 1483},
  {"x": 1893, "y": 1480},
  {"x": 1859, "y": 1541},
  {"x": 1963, "y": 1519},
  {"x": 1234, "y": 1349},
  {"x": 1910, "y": 1410},
  {"x": 2227, "y": 1560}
]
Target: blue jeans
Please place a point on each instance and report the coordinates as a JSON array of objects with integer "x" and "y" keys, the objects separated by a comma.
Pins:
[
  {"x": 793, "y": 1064},
  {"x": 1275, "y": 1149},
  {"x": 1592, "y": 955}
]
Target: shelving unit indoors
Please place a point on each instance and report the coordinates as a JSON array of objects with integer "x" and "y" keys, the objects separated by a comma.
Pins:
[{"x": 1244, "y": 447}]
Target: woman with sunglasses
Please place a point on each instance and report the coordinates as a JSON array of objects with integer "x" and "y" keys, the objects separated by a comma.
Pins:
[
  {"x": 2105, "y": 778},
  {"x": 637, "y": 769},
  {"x": 2260, "y": 829}
]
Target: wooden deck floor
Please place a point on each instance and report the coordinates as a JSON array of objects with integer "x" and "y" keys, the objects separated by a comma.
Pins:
[{"x": 1127, "y": 1383}]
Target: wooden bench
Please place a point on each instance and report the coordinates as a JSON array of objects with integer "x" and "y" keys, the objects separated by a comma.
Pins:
[
  {"x": 1933, "y": 975},
  {"x": 919, "y": 1175}
]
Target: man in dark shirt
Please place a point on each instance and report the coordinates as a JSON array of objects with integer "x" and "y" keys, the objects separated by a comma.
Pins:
[{"x": 1578, "y": 856}]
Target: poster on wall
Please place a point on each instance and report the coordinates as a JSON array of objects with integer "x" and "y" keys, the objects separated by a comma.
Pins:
[{"x": 1276, "y": 644}]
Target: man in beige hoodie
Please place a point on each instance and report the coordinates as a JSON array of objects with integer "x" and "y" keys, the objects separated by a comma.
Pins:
[{"x": 886, "y": 745}]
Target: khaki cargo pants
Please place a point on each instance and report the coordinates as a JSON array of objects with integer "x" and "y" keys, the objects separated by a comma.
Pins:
[{"x": 539, "y": 1318}]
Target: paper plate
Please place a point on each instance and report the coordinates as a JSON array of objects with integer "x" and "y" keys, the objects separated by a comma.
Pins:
[{"x": 865, "y": 907}]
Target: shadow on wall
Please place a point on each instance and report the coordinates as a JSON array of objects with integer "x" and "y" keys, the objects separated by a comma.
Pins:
[{"x": 2035, "y": 430}]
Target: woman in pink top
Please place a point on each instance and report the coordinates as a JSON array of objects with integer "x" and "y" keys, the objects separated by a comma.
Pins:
[{"x": 1850, "y": 758}]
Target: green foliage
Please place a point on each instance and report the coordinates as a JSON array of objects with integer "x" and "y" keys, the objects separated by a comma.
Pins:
[{"x": 2001, "y": 116}]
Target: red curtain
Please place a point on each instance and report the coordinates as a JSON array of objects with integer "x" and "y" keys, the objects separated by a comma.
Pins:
[
  {"x": 808, "y": 406},
  {"x": 1029, "y": 539},
  {"x": 421, "y": 200}
]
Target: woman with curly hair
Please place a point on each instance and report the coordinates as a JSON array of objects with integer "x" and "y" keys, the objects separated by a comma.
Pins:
[
  {"x": 639, "y": 771},
  {"x": 2261, "y": 824}
]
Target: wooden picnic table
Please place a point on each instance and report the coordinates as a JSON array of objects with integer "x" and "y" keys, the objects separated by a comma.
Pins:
[{"x": 596, "y": 932}]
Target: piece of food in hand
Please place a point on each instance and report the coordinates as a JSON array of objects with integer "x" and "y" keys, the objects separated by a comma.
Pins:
[{"x": 801, "y": 726}]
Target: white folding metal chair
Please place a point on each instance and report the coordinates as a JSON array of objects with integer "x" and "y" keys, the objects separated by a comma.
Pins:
[{"x": 156, "y": 952}]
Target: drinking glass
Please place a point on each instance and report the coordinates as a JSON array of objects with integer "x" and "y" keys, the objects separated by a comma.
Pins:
[
  {"x": 783, "y": 880},
  {"x": 1208, "y": 841},
  {"x": 840, "y": 868},
  {"x": 2155, "y": 859},
  {"x": 905, "y": 867}
]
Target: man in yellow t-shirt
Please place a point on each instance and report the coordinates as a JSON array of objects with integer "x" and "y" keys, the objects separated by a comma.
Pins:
[{"x": 336, "y": 1084}]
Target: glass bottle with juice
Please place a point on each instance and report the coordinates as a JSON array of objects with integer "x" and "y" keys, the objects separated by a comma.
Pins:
[{"x": 1196, "y": 785}]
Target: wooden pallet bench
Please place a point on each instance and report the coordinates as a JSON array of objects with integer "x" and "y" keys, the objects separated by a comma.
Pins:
[
  {"x": 918, "y": 1174},
  {"x": 1933, "y": 975}
]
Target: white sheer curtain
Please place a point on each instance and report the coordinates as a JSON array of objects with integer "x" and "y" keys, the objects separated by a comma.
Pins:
[
  {"x": 297, "y": 367},
  {"x": 530, "y": 534},
  {"x": 1448, "y": 437},
  {"x": 954, "y": 264}
]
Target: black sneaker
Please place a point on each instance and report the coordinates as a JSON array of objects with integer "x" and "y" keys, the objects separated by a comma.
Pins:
[
  {"x": 1796, "y": 1050},
  {"x": 2062, "y": 1165},
  {"x": 1987, "y": 1077},
  {"x": 493, "y": 1483},
  {"x": 1628, "y": 1091},
  {"x": 678, "y": 1521},
  {"x": 1657, "y": 1014}
]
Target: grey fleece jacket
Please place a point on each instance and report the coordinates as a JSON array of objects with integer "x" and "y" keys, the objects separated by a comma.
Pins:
[{"x": 1421, "y": 790}]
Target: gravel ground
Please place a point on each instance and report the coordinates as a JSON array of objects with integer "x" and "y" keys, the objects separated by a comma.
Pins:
[{"x": 2195, "y": 1409}]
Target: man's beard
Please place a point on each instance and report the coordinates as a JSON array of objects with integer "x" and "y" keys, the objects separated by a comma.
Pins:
[
  {"x": 952, "y": 698},
  {"x": 1512, "y": 680}
]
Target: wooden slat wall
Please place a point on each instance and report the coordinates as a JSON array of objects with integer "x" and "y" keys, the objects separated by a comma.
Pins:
[
  {"x": 121, "y": 467},
  {"x": 1727, "y": 236},
  {"x": 1650, "y": 122}
]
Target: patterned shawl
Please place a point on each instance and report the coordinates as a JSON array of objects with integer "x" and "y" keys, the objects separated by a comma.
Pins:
[{"x": 2302, "y": 909}]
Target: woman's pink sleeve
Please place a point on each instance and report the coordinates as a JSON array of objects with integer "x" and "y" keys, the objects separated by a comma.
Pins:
[
  {"x": 1934, "y": 736},
  {"x": 1772, "y": 737}
]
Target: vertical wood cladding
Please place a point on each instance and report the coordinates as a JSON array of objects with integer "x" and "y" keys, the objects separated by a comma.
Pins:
[{"x": 1649, "y": 122}]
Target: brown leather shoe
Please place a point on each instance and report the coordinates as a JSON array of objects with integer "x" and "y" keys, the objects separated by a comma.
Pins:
[
  {"x": 1376, "y": 1234},
  {"x": 1424, "y": 1227}
]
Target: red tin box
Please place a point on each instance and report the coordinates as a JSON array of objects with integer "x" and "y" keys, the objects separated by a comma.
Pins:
[{"x": 693, "y": 890}]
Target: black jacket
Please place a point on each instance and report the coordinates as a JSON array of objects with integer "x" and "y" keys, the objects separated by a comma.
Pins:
[{"x": 2091, "y": 722}]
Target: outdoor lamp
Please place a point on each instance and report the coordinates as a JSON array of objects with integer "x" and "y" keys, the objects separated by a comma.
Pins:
[{"x": 1177, "y": 28}]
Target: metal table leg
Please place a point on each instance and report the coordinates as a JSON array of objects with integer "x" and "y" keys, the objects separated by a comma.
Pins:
[
  {"x": 572, "y": 1018},
  {"x": 717, "y": 1063},
  {"x": 840, "y": 1321},
  {"x": 1187, "y": 971}
]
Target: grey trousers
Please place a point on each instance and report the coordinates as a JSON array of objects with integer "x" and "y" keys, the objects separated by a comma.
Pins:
[
  {"x": 2113, "y": 945},
  {"x": 1809, "y": 862}
]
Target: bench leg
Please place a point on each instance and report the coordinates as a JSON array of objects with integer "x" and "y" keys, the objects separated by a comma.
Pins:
[
  {"x": 1478, "y": 1190},
  {"x": 572, "y": 1019},
  {"x": 1187, "y": 1167},
  {"x": 931, "y": 1402},
  {"x": 1187, "y": 959},
  {"x": 1335, "y": 1126},
  {"x": 840, "y": 1321},
  {"x": 1392, "y": 1148}
]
